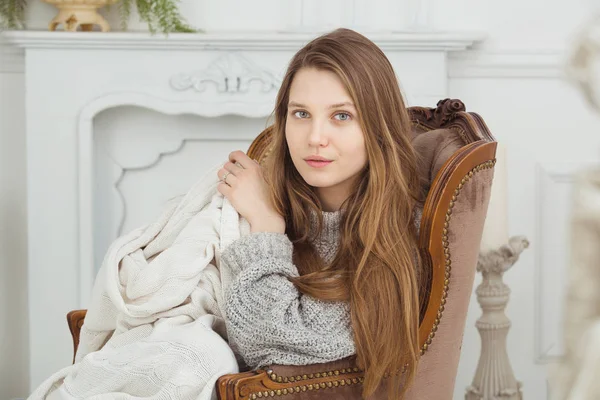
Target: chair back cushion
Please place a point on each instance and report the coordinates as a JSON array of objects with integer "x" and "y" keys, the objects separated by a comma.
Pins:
[{"x": 438, "y": 365}]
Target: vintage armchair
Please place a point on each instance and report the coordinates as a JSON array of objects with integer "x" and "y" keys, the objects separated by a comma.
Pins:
[{"x": 457, "y": 154}]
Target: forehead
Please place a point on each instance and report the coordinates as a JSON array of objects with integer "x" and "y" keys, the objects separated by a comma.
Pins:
[{"x": 317, "y": 88}]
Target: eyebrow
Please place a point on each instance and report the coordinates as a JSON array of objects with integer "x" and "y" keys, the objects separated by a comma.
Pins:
[{"x": 337, "y": 105}]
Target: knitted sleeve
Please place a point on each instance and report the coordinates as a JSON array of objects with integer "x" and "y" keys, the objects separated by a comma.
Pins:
[{"x": 268, "y": 320}]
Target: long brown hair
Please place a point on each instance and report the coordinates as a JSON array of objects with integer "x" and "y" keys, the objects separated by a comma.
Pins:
[{"x": 374, "y": 268}]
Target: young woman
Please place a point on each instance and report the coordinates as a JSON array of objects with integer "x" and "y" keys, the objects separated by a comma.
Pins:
[{"x": 330, "y": 269}]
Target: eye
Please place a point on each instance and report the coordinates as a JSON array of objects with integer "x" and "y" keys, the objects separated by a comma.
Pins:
[
  {"x": 343, "y": 116},
  {"x": 301, "y": 114}
]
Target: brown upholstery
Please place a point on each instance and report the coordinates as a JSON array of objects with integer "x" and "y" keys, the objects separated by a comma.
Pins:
[
  {"x": 456, "y": 163},
  {"x": 434, "y": 148},
  {"x": 437, "y": 368}
]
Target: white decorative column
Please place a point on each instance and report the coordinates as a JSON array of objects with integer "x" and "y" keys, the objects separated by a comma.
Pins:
[{"x": 494, "y": 377}]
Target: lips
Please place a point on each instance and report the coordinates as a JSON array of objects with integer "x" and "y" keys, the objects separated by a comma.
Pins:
[
  {"x": 318, "y": 164},
  {"x": 317, "y": 158}
]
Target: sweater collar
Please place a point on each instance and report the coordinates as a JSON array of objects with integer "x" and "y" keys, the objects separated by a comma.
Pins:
[{"x": 331, "y": 225}]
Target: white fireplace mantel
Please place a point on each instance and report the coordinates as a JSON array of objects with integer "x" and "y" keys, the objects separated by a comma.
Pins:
[
  {"x": 72, "y": 77},
  {"x": 251, "y": 41}
]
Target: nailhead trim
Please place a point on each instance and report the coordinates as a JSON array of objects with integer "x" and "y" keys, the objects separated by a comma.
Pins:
[
  {"x": 285, "y": 379},
  {"x": 446, "y": 246},
  {"x": 304, "y": 388}
]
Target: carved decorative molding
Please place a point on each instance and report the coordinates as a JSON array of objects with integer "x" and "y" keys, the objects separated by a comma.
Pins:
[
  {"x": 444, "y": 112},
  {"x": 156, "y": 157},
  {"x": 451, "y": 114},
  {"x": 550, "y": 180},
  {"x": 85, "y": 157},
  {"x": 231, "y": 73},
  {"x": 547, "y": 342}
]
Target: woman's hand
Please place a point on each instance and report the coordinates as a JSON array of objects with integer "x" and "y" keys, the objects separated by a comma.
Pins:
[{"x": 243, "y": 184}]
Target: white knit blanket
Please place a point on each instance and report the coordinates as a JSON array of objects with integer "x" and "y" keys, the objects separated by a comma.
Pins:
[{"x": 155, "y": 325}]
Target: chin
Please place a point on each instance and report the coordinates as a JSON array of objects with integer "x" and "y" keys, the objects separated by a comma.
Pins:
[
  {"x": 318, "y": 182},
  {"x": 314, "y": 178}
]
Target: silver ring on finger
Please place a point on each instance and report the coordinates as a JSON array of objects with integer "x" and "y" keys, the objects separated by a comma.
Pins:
[{"x": 224, "y": 178}]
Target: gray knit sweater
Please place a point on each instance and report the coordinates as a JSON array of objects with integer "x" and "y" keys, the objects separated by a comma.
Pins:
[{"x": 268, "y": 320}]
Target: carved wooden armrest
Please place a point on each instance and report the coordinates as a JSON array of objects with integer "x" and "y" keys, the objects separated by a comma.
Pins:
[
  {"x": 75, "y": 320},
  {"x": 334, "y": 380}
]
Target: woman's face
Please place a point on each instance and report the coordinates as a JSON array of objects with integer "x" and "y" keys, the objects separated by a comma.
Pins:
[{"x": 322, "y": 121}]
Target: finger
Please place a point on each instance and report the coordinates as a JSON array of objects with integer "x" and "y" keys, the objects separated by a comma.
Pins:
[
  {"x": 226, "y": 176},
  {"x": 242, "y": 158},
  {"x": 234, "y": 168},
  {"x": 230, "y": 180},
  {"x": 224, "y": 189},
  {"x": 226, "y": 170}
]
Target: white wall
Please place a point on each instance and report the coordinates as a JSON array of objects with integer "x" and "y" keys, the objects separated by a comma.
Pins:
[
  {"x": 14, "y": 368},
  {"x": 514, "y": 80}
]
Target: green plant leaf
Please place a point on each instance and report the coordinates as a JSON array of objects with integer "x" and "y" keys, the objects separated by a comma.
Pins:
[
  {"x": 163, "y": 16},
  {"x": 12, "y": 14}
]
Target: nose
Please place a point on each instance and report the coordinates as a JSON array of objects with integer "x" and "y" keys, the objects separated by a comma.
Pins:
[{"x": 317, "y": 136}]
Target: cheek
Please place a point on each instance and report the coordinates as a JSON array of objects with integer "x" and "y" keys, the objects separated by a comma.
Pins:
[
  {"x": 363, "y": 153},
  {"x": 290, "y": 144},
  {"x": 356, "y": 149},
  {"x": 360, "y": 159},
  {"x": 291, "y": 139}
]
